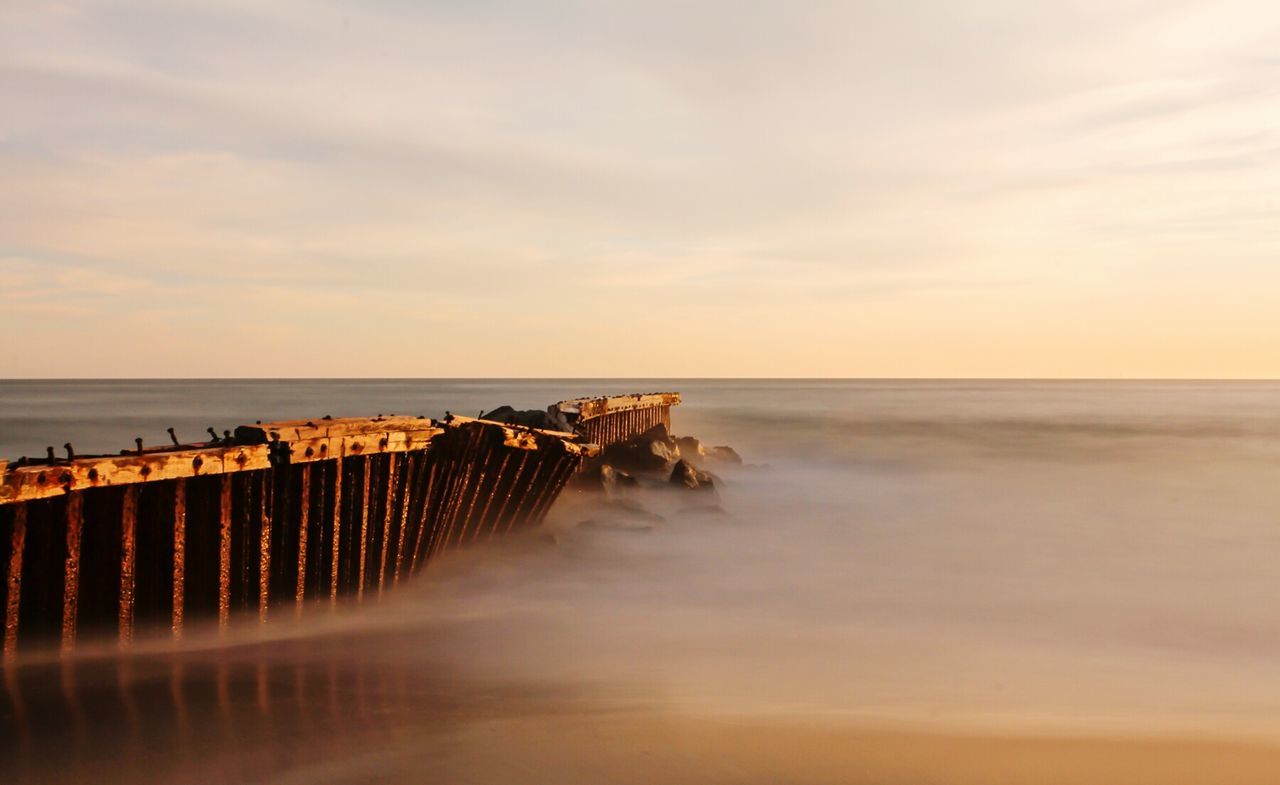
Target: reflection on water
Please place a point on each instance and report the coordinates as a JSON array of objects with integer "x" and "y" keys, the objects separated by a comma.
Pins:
[
  {"x": 243, "y": 713},
  {"x": 914, "y": 582}
]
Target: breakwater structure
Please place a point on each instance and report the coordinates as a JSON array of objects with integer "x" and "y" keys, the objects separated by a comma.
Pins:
[{"x": 276, "y": 516}]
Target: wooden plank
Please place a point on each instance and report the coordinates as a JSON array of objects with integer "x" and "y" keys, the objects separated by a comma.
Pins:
[
  {"x": 336, "y": 529},
  {"x": 324, "y": 448},
  {"x": 39, "y": 482},
  {"x": 588, "y": 408},
  {"x": 179, "y": 555},
  {"x": 304, "y": 430},
  {"x": 393, "y": 475},
  {"x": 304, "y": 512},
  {"x": 128, "y": 557},
  {"x": 224, "y": 553},
  {"x": 71, "y": 571},
  {"x": 366, "y": 465},
  {"x": 264, "y": 544},
  {"x": 13, "y": 598}
]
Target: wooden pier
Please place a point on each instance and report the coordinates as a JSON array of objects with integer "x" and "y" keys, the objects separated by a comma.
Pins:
[{"x": 274, "y": 516}]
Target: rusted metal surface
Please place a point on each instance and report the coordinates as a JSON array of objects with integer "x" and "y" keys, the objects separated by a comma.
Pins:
[
  {"x": 13, "y": 595},
  {"x": 128, "y": 560},
  {"x": 224, "y": 552},
  {"x": 365, "y": 466},
  {"x": 27, "y": 483},
  {"x": 179, "y": 555},
  {"x": 388, "y": 509},
  {"x": 304, "y": 511},
  {"x": 366, "y": 503},
  {"x": 71, "y": 570},
  {"x": 336, "y": 530},
  {"x": 264, "y": 545}
]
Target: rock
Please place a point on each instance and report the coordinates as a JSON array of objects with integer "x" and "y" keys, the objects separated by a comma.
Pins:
[
  {"x": 724, "y": 454},
  {"x": 690, "y": 448},
  {"x": 529, "y": 418},
  {"x": 652, "y": 451},
  {"x": 686, "y": 474},
  {"x": 614, "y": 480}
]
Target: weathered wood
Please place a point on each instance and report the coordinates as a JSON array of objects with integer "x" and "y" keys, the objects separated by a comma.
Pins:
[
  {"x": 588, "y": 408},
  {"x": 447, "y": 483},
  {"x": 71, "y": 571},
  {"x": 128, "y": 557},
  {"x": 38, "y": 482},
  {"x": 179, "y": 555},
  {"x": 224, "y": 552},
  {"x": 13, "y": 597},
  {"x": 303, "y": 430},
  {"x": 304, "y": 509},
  {"x": 336, "y": 529},
  {"x": 264, "y": 545},
  {"x": 366, "y": 464},
  {"x": 393, "y": 477}
]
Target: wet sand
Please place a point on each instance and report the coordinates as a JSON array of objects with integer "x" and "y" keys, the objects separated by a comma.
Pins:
[{"x": 635, "y": 749}]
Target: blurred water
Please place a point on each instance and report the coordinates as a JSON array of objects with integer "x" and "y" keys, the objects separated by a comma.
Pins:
[{"x": 1066, "y": 559}]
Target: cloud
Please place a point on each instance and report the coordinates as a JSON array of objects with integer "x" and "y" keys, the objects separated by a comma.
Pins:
[{"x": 334, "y": 171}]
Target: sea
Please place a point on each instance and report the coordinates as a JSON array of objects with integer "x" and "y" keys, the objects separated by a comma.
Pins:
[{"x": 905, "y": 581}]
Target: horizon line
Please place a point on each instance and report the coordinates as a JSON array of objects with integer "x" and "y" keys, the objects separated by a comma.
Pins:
[{"x": 638, "y": 378}]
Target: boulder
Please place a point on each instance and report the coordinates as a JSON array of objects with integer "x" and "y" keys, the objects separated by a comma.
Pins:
[
  {"x": 529, "y": 418},
  {"x": 652, "y": 451},
  {"x": 614, "y": 480},
  {"x": 689, "y": 476},
  {"x": 690, "y": 449},
  {"x": 658, "y": 433}
]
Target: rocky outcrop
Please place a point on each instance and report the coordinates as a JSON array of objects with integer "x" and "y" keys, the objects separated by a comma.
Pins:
[
  {"x": 655, "y": 459},
  {"x": 652, "y": 451},
  {"x": 528, "y": 418},
  {"x": 687, "y": 475}
]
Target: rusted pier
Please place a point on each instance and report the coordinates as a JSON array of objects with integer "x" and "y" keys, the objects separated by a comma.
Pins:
[
  {"x": 281, "y": 514},
  {"x": 609, "y": 420}
]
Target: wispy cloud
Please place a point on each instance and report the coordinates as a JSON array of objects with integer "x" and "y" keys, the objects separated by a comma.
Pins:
[{"x": 381, "y": 177}]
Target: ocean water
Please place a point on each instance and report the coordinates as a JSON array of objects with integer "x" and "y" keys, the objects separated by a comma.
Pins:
[{"x": 907, "y": 582}]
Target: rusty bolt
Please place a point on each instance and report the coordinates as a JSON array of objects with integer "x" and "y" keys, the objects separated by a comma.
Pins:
[{"x": 197, "y": 462}]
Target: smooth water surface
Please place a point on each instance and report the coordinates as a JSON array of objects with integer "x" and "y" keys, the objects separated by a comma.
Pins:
[{"x": 959, "y": 581}]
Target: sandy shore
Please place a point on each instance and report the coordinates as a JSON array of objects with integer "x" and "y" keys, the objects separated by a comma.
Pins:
[{"x": 637, "y": 749}]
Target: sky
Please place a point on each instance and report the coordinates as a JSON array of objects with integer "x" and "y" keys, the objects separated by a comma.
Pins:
[{"x": 651, "y": 189}]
